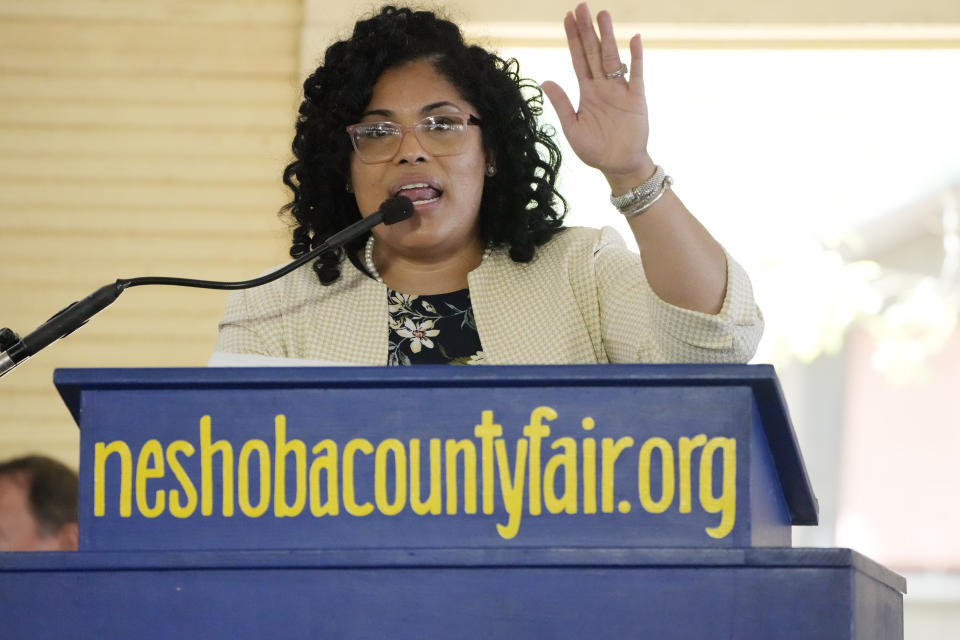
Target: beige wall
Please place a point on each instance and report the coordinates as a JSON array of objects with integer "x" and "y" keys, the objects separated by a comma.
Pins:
[
  {"x": 136, "y": 138},
  {"x": 731, "y": 11},
  {"x": 681, "y": 23},
  {"x": 338, "y": 16}
]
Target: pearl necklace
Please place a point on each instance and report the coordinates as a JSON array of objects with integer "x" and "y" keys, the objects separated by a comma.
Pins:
[{"x": 372, "y": 269}]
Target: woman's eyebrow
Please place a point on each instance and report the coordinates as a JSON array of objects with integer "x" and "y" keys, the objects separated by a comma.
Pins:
[
  {"x": 436, "y": 105},
  {"x": 387, "y": 113}
]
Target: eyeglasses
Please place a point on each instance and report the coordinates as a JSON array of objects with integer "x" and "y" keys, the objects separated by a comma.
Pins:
[{"x": 439, "y": 135}]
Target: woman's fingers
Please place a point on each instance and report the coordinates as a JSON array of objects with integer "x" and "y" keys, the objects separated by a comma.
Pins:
[
  {"x": 577, "y": 56},
  {"x": 609, "y": 56},
  {"x": 593, "y": 57},
  {"x": 561, "y": 103},
  {"x": 636, "y": 65},
  {"x": 588, "y": 40}
]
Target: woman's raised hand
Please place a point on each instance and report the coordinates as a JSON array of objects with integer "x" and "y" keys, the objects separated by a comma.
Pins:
[{"x": 609, "y": 128}]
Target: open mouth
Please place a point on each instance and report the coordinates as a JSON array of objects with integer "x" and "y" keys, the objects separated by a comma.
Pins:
[{"x": 419, "y": 193}]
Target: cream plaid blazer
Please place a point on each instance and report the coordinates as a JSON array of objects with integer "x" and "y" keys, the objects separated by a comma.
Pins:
[{"x": 583, "y": 299}]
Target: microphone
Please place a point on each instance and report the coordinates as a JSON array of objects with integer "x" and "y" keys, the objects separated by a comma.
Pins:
[
  {"x": 391, "y": 211},
  {"x": 75, "y": 315}
]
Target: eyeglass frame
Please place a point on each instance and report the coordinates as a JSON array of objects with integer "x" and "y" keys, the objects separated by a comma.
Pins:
[{"x": 471, "y": 120}]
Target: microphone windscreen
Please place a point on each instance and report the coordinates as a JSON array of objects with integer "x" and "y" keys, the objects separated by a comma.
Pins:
[{"x": 396, "y": 209}]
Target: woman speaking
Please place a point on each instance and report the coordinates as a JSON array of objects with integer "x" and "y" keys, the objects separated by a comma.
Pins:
[{"x": 484, "y": 271}]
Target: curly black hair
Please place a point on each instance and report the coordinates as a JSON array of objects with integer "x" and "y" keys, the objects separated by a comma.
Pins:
[{"x": 520, "y": 207}]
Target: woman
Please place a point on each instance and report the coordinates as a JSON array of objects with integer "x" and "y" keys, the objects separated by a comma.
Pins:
[{"x": 484, "y": 271}]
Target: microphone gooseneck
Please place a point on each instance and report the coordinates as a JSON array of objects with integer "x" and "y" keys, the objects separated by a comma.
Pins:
[
  {"x": 14, "y": 351},
  {"x": 391, "y": 211}
]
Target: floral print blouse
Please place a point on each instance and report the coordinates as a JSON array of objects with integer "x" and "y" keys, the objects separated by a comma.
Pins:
[{"x": 434, "y": 329}]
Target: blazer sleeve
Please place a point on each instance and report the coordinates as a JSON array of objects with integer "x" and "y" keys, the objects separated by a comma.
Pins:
[{"x": 638, "y": 326}]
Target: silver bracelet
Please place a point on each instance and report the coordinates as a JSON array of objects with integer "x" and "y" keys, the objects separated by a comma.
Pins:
[
  {"x": 646, "y": 204},
  {"x": 636, "y": 200}
]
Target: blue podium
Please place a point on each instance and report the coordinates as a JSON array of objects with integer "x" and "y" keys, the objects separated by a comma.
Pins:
[{"x": 545, "y": 502}]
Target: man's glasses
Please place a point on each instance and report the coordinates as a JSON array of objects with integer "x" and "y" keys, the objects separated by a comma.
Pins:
[{"x": 439, "y": 135}]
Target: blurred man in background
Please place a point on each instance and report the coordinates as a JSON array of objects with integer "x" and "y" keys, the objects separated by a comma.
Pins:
[{"x": 38, "y": 505}]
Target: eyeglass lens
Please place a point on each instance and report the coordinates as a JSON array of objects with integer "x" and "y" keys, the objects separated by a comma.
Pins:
[{"x": 438, "y": 135}]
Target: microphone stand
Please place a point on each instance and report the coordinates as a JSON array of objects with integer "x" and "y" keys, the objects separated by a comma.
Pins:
[{"x": 14, "y": 350}]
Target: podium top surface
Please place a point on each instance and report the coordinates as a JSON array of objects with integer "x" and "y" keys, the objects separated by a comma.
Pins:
[
  {"x": 755, "y": 376},
  {"x": 762, "y": 379}
]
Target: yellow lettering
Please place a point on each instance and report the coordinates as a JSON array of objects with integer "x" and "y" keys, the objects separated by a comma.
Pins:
[
  {"x": 487, "y": 431},
  {"x": 568, "y": 461},
  {"x": 299, "y": 450},
  {"x": 178, "y": 509},
  {"x": 349, "y": 499},
  {"x": 611, "y": 451},
  {"x": 686, "y": 446},
  {"x": 101, "y": 453},
  {"x": 589, "y": 468},
  {"x": 243, "y": 478},
  {"x": 537, "y": 431},
  {"x": 726, "y": 504},
  {"x": 150, "y": 465},
  {"x": 206, "y": 470},
  {"x": 666, "y": 472},
  {"x": 512, "y": 490},
  {"x": 391, "y": 445},
  {"x": 453, "y": 450},
  {"x": 433, "y": 504},
  {"x": 326, "y": 462}
]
